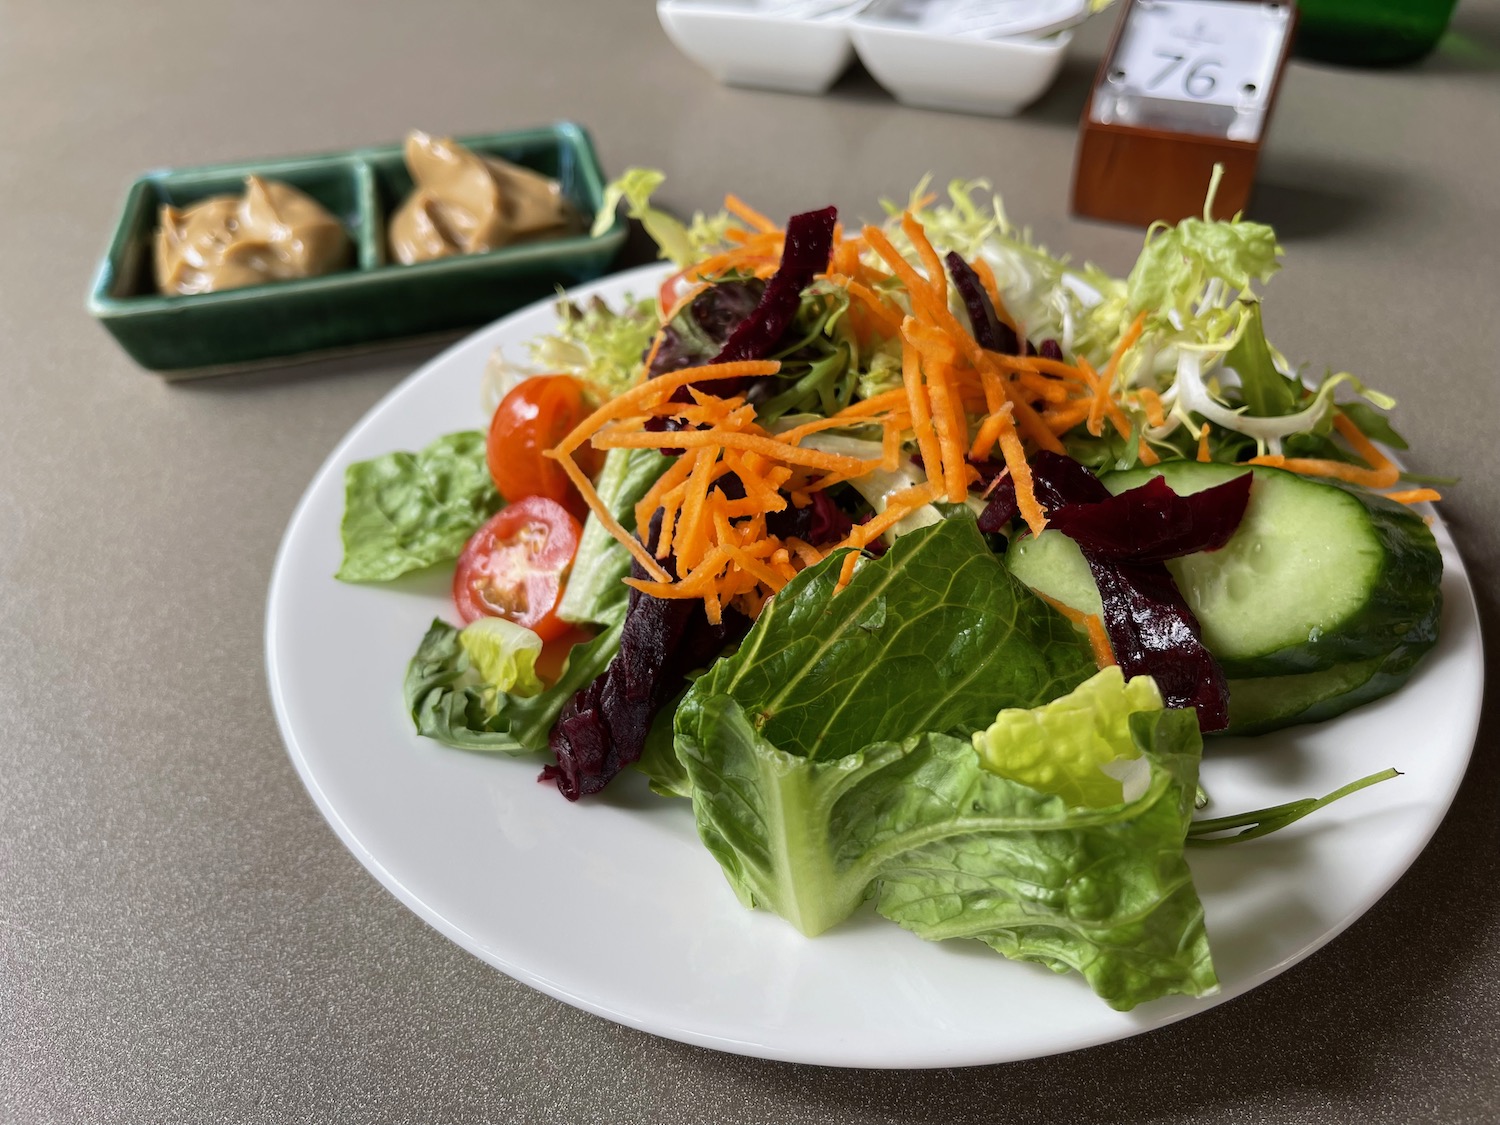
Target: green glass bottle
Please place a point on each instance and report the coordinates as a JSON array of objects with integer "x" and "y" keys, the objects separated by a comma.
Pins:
[{"x": 1371, "y": 32}]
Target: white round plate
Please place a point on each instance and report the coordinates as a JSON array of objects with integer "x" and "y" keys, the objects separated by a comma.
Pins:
[{"x": 612, "y": 905}]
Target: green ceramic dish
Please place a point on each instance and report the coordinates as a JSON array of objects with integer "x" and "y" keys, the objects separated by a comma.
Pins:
[{"x": 370, "y": 302}]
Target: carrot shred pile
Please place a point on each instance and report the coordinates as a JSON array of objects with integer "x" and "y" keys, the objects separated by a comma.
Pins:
[{"x": 958, "y": 402}]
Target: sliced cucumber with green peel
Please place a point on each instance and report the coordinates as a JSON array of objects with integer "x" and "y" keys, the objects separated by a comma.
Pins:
[
  {"x": 1269, "y": 703},
  {"x": 1317, "y": 578},
  {"x": 1317, "y": 575}
]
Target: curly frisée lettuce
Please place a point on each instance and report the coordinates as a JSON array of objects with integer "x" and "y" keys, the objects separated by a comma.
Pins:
[{"x": 599, "y": 345}]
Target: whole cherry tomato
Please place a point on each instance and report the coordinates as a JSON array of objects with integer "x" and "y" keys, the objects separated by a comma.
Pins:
[{"x": 537, "y": 414}]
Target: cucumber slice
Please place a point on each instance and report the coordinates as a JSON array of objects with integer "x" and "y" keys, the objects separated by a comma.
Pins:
[
  {"x": 1269, "y": 703},
  {"x": 1053, "y": 566},
  {"x": 1317, "y": 575}
]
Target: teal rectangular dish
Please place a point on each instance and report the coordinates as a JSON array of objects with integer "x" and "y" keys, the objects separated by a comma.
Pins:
[{"x": 374, "y": 299}]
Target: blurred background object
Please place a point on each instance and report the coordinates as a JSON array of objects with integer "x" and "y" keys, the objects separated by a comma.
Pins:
[{"x": 1371, "y": 32}]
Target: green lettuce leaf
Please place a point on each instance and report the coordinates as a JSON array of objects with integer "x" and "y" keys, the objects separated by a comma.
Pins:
[
  {"x": 833, "y": 758},
  {"x": 948, "y": 848},
  {"x": 934, "y": 636},
  {"x": 406, "y": 511},
  {"x": 596, "y": 593},
  {"x": 1178, "y": 263},
  {"x": 597, "y": 343},
  {"x": 683, "y": 244},
  {"x": 503, "y": 654},
  {"x": 451, "y": 702},
  {"x": 1264, "y": 389},
  {"x": 1078, "y": 746}
]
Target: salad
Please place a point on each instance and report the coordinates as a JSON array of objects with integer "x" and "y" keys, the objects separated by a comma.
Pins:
[{"x": 921, "y": 562}]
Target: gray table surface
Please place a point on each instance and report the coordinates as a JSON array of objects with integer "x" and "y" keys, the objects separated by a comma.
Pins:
[{"x": 183, "y": 939}]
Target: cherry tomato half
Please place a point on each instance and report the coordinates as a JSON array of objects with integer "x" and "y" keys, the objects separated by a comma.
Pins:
[
  {"x": 537, "y": 414},
  {"x": 516, "y": 564},
  {"x": 673, "y": 290}
]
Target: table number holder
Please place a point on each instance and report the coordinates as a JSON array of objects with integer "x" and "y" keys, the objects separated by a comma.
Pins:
[{"x": 1184, "y": 85}]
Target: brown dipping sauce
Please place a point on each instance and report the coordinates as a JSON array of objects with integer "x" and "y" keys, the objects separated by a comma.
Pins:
[
  {"x": 272, "y": 233},
  {"x": 465, "y": 203}
]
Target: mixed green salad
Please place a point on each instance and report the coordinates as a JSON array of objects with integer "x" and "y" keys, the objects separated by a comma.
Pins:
[{"x": 920, "y": 561}]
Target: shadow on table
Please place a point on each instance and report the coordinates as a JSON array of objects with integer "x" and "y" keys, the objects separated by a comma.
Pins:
[{"x": 1306, "y": 200}]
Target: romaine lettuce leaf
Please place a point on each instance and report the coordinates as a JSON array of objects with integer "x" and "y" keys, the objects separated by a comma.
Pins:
[
  {"x": 830, "y": 760},
  {"x": 934, "y": 636},
  {"x": 503, "y": 654},
  {"x": 449, "y": 701},
  {"x": 596, "y": 593},
  {"x": 948, "y": 848},
  {"x": 1078, "y": 746},
  {"x": 406, "y": 511}
]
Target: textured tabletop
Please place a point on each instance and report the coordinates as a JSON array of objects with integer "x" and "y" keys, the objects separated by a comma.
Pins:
[{"x": 183, "y": 938}]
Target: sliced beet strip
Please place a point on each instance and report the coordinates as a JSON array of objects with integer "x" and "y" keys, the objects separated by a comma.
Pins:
[
  {"x": 1151, "y": 629},
  {"x": 990, "y": 332},
  {"x": 1152, "y": 523},
  {"x": 1154, "y": 633},
  {"x": 603, "y": 728},
  {"x": 809, "y": 244}
]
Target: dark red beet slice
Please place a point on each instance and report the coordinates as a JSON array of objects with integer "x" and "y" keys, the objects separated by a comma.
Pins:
[
  {"x": 1154, "y": 633},
  {"x": 603, "y": 728},
  {"x": 1151, "y": 629},
  {"x": 822, "y": 522},
  {"x": 990, "y": 332},
  {"x": 1152, "y": 523},
  {"x": 809, "y": 243},
  {"x": 1056, "y": 479}
]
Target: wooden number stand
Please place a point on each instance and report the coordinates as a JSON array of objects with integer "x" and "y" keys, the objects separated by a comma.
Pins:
[{"x": 1184, "y": 85}]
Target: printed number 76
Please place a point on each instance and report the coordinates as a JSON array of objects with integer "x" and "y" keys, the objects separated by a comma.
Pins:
[{"x": 1198, "y": 80}]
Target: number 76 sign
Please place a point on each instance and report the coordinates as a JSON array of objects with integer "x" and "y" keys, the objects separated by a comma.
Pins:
[{"x": 1185, "y": 84}]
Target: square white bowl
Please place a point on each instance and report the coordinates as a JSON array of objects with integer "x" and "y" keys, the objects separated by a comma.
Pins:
[
  {"x": 998, "y": 77},
  {"x": 746, "y": 43}
]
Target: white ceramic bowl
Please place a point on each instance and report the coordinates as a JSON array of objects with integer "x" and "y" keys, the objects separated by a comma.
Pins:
[
  {"x": 999, "y": 77},
  {"x": 743, "y": 44}
]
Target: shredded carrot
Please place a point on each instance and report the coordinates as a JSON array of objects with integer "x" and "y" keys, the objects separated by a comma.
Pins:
[
  {"x": 1020, "y": 472},
  {"x": 1030, "y": 424},
  {"x": 657, "y": 390},
  {"x": 1104, "y": 653},
  {"x": 1381, "y": 473},
  {"x": 656, "y": 342},
  {"x": 921, "y": 412},
  {"x": 846, "y": 571},
  {"x": 987, "y": 279},
  {"x": 1203, "y": 452},
  {"x": 1062, "y": 420},
  {"x": 897, "y": 508},
  {"x": 586, "y": 489},
  {"x": 989, "y": 432},
  {"x": 937, "y": 277},
  {"x": 1095, "y": 423},
  {"x": 751, "y": 217},
  {"x": 1150, "y": 401},
  {"x": 882, "y": 309},
  {"x": 756, "y": 443},
  {"x": 1414, "y": 495}
]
